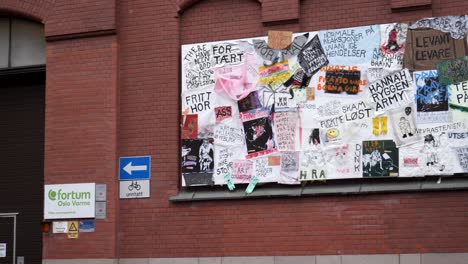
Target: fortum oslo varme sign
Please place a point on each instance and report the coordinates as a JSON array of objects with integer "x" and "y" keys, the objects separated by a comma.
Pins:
[{"x": 69, "y": 201}]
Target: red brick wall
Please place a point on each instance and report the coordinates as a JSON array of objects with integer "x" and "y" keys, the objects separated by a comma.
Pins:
[
  {"x": 81, "y": 110},
  {"x": 81, "y": 134},
  {"x": 149, "y": 111},
  {"x": 69, "y": 17}
]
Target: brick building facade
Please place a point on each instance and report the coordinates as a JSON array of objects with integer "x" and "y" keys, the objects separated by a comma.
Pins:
[{"x": 113, "y": 90}]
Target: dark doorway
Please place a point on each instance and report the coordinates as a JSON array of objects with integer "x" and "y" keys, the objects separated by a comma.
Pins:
[{"x": 22, "y": 106}]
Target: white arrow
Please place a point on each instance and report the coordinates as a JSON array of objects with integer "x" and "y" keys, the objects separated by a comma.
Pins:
[{"x": 129, "y": 168}]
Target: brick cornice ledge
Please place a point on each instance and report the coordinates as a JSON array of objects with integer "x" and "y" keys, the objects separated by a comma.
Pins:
[{"x": 89, "y": 34}]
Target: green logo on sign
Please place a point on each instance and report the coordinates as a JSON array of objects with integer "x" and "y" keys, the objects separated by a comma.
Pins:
[
  {"x": 69, "y": 198},
  {"x": 52, "y": 195}
]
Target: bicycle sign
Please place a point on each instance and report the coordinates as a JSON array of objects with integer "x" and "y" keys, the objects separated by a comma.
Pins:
[{"x": 134, "y": 189}]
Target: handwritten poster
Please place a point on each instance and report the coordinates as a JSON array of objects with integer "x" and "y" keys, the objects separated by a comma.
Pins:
[
  {"x": 226, "y": 53},
  {"x": 459, "y": 96},
  {"x": 242, "y": 171},
  {"x": 342, "y": 81},
  {"x": 264, "y": 171},
  {"x": 427, "y": 47},
  {"x": 350, "y": 46},
  {"x": 391, "y": 91},
  {"x": 197, "y": 65},
  {"x": 286, "y": 127},
  {"x": 226, "y": 134},
  {"x": 224, "y": 160},
  {"x": 462, "y": 155}
]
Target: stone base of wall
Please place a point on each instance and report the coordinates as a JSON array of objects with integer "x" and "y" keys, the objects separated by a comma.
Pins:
[{"x": 430, "y": 258}]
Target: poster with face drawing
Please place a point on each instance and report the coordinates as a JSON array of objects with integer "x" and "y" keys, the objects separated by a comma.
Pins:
[
  {"x": 340, "y": 165},
  {"x": 404, "y": 125},
  {"x": 379, "y": 158},
  {"x": 431, "y": 98}
]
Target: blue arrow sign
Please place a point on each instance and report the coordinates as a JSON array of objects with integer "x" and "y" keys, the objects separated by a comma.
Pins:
[{"x": 135, "y": 168}]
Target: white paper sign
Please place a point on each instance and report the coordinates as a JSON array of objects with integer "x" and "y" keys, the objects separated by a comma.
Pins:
[
  {"x": 134, "y": 189},
  {"x": 60, "y": 227},
  {"x": 67, "y": 201},
  {"x": 2, "y": 250}
]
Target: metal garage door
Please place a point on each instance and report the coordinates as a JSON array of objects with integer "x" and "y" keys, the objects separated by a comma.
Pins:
[{"x": 22, "y": 163}]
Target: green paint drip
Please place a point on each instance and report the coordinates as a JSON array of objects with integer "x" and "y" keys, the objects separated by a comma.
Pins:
[{"x": 459, "y": 107}]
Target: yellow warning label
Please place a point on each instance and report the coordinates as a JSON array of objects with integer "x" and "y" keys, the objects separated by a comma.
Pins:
[{"x": 72, "y": 229}]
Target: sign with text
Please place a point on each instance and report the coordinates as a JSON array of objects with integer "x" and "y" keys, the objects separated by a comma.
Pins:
[
  {"x": 87, "y": 226},
  {"x": 60, "y": 227},
  {"x": 65, "y": 201},
  {"x": 134, "y": 189},
  {"x": 72, "y": 230},
  {"x": 2, "y": 250}
]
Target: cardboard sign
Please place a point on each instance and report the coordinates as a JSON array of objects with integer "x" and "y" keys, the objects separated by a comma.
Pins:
[{"x": 279, "y": 39}]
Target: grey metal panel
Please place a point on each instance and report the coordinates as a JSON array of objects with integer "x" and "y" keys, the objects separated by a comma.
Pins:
[
  {"x": 182, "y": 196},
  {"x": 295, "y": 260},
  {"x": 435, "y": 183},
  {"x": 276, "y": 192},
  {"x": 444, "y": 258},
  {"x": 332, "y": 259},
  {"x": 219, "y": 195},
  {"x": 383, "y": 185},
  {"x": 215, "y": 260},
  {"x": 248, "y": 260},
  {"x": 332, "y": 189},
  {"x": 370, "y": 259},
  {"x": 391, "y": 186},
  {"x": 174, "y": 261},
  {"x": 410, "y": 258}
]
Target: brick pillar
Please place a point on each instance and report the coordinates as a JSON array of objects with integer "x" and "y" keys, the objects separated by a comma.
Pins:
[{"x": 81, "y": 116}]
